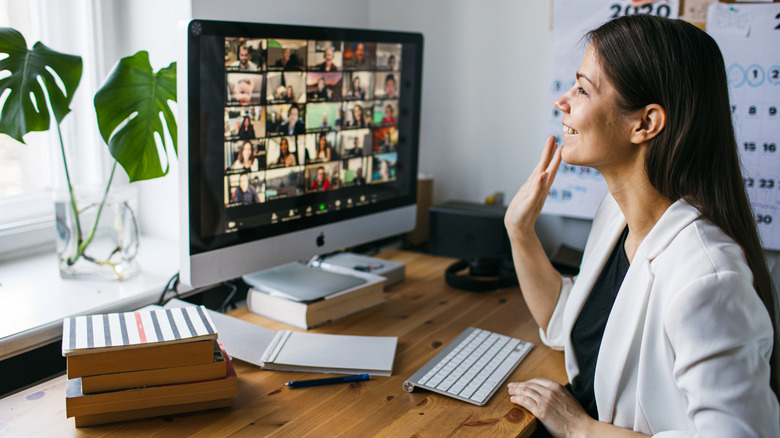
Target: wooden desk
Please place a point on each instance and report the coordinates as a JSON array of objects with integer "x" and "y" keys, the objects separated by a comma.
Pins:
[{"x": 423, "y": 312}]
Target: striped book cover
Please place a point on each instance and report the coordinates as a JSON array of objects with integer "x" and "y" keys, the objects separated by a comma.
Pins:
[{"x": 148, "y": 327}]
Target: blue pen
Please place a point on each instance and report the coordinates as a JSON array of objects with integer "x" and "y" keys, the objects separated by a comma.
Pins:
[{"x": 327, "y": 381}]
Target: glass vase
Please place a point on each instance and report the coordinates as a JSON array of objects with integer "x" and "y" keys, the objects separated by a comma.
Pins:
[{"x": 106, "y": 247}]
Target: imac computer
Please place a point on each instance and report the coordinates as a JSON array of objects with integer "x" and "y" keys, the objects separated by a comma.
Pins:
[{"x": 294, "y": 141}]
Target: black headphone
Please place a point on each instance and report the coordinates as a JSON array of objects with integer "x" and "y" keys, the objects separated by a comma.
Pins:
[{"x": 500, "y": 268}]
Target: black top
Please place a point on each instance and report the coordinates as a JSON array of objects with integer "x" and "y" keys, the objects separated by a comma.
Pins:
[{"x": 589, "y": 327}]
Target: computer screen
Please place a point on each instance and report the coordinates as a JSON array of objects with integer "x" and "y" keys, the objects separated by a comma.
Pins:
[{"x": 294, "y": 141}]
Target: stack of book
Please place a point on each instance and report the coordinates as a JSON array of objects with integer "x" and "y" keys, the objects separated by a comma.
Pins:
[{"x": 124, "y": 366}]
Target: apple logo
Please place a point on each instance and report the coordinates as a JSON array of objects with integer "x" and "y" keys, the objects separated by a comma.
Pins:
[{"x": 321, "y": 239}]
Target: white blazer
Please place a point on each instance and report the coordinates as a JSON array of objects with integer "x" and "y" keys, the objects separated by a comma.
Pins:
[{"x": 686, "y": 347}]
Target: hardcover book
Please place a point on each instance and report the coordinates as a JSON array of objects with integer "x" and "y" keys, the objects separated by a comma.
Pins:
[
  {"x": 88, "y": 334},
  {"x": 135, "y": 341},
  {"x": 157, "y": 376},
  {"x": 78, "y": 404}
]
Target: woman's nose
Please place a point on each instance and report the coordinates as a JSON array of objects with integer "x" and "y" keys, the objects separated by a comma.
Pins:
[{"x": 562, "y": 103}]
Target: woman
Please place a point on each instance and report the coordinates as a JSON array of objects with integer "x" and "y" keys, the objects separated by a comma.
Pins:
[
  {"x": 666, "y": 328},
  {"x": 286, "y": 159},
  {"x": 246, "y": 160},
  {"x": 323, "y": 149},
  {"x": 389, "y": 118},
  {"x": 322, "y": 92},
  {"x": 357, "y": 117},
  {"x": 246, "y": 131},
  {"x": 356, "y": 92}
]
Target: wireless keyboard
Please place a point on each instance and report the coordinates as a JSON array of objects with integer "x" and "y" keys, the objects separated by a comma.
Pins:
[{"x": 472, "y": 366}]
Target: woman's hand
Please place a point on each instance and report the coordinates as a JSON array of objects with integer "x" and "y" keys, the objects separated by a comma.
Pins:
[
  {"x": 527, "y": 204},
  {"x": 553, "y": 405}
]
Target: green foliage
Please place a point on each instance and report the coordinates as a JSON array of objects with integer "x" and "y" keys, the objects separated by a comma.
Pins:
[
  {"x": 129, "y": 108},
  {"x": 25, "y": 109}
]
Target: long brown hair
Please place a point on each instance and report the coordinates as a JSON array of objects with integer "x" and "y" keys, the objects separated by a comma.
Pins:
[{"x": 672, "y": 63}]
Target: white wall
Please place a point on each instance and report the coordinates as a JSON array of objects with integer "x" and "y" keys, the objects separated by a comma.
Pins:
[
  {"x": 344, "y": 13},
  {"x": 484, "y": 97},
  {"x": 483, "y": 86}
]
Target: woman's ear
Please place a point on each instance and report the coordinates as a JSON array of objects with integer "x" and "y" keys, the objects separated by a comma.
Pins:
[{"x": 651, "y": 121}]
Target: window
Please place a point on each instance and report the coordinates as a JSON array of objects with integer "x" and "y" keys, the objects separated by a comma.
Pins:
[{"x": 29, "y": 172}]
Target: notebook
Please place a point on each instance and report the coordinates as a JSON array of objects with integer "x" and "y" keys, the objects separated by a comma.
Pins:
[{"x": 305, "y": 352}]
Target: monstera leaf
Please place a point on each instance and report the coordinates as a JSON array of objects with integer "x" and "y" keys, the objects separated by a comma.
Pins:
[
  {"x": 25, "y": 108},
  {"x": 129, "y": 108}
]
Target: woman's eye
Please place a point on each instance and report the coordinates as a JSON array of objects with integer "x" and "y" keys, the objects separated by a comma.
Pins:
[{"x": 581, "y": 90}]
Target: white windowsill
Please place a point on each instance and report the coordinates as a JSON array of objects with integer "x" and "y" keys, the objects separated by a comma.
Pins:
[{"x": 34, "y": 299}]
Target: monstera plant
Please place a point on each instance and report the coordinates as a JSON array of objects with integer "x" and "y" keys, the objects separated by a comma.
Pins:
[{"x": 130, "y": 108}]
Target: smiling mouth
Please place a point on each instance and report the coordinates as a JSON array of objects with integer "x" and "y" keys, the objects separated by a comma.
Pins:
[{"x": 569, "y": 130}]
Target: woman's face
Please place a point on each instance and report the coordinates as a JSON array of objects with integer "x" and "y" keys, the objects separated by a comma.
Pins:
[
  {"x": 246, "y": 122},
  {"x": 284, "y": 147},
  {"x": 322, "y": 143},
  {"x": 356, "y": 83},
  {"x": 321, "y": 84},
  {"x": 246, "y": 151},
  {"x": 595, "y": 133},
  {"x": 357, "y": 112}
]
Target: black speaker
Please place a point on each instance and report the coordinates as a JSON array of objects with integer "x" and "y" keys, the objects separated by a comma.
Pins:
[
  {"x": 475, "y": 234},
  {"x": 467, "y": 230}
]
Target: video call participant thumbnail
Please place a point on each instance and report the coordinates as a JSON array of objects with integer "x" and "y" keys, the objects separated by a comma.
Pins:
[
  {"x": 320, "y": 147},
  {"x": 358, "y": 85},
  {"x": 323, "y": 87},
  {"x": 245, "y": 156},
  {"x": 353, "y": 173},
  {"x": 385, "y": 139},
  {"x": 244, "y": 124},
  {"x": 284, "y": 183},
  {"x": 242, "y": 54},
  {"x": 287, "y": 55},
  {"x": 245, "y": 189},
  {"x": 388, "y": 57},
  {"x": 385, "y": 113},
  {"x": 285, "y": 120},
  {"x": 387, "y": 85},
  {"x": 323, "y": 116},
  {"x": 327, "y": 59},
  {"x": 383, "y": 167},
  {"x": 283, "y": 152},
  {"x": 320, "y": 181},
  {"x": 294, "y": 124},
  {"x": 286, "y": 87},
  {"x": 357, "y": 114},
  {"x": 359, "y": 55},
  {"x": 244, "y": 88},
  {"x": 356, "y": 143}
]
